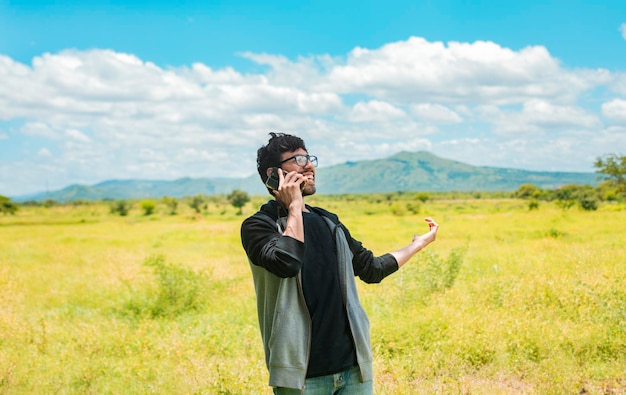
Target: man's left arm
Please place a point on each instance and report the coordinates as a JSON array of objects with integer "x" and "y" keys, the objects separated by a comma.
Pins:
[
  {"x": 419, "y": 242},
  {"x": 372, "y": 269}
]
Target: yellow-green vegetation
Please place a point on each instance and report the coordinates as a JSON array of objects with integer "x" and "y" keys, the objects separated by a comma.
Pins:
[{"x": 511, "y": 299}]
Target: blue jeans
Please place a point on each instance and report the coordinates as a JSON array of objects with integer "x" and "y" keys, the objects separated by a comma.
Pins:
[{"x": 347, "y": 382}]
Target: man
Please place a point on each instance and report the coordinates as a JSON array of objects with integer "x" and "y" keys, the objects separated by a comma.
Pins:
[{"x": 303, "y": 260}]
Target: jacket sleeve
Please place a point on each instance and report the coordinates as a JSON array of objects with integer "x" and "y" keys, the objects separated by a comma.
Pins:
[
  {"x": 370, "y": 268},
  {"x": 268, "y": 248}
]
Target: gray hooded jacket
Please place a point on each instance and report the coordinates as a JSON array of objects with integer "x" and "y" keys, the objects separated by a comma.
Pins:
[{"x": 284, "y": 320}]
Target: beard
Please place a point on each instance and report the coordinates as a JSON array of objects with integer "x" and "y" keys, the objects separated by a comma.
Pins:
[{"x": 308, "y": 190}]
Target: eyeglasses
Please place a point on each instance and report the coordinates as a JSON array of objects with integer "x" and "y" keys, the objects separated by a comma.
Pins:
[{"x": 302, "y": 160}]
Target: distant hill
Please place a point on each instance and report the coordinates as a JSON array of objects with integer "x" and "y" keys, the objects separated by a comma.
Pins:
[
  {"x": 404, "y": 171},
  {"x": 423, "y": 171}
]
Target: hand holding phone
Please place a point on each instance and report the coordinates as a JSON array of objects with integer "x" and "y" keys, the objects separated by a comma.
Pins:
[{"x": 273, "y": 181}]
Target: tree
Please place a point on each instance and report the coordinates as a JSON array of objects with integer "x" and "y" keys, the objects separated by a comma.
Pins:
[
  {"x": 613, "y": 166},
  {"x": 238, "y": 199},
  {"x": 566, "y": 195},
  {"x": 171, "y": 203},
  {"x": 120, "y": 207},
  {"x": 568, "y": 192},
  {"x": 588, "y": 200},
  {"x": 7, "y": 206},
  {"x": 196, "y": 203},
  {"x": 148, "y": 206},
  {"x": 528, "y": 191},
  {"x": 422, "y": 196}
]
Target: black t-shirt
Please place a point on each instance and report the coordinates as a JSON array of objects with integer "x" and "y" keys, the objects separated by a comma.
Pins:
[{"x": 332, "y": 347}]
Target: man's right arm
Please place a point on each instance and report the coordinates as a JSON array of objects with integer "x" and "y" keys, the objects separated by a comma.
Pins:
[
  {"x": 290, "y": 196},
  {"x": 265, "y": 246}
]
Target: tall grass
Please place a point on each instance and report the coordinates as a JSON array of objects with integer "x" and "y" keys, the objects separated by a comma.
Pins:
[{"x": 507, "y": 301}]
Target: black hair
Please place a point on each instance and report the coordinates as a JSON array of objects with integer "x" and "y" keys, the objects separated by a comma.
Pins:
[{"x": 270, "y": 155}]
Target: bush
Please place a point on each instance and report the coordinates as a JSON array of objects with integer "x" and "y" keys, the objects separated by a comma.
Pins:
[
  {"x": 50, "y": 203},
  {"x": 438, "y": 274},
  {"x": 565, "y": 204},
  {"x": 527, "y": 191},
  {"x": 422, "y": 196},
  {"x": 414, "y": 207},
  {"x": 588, "y": 201},
  {"x": 555, "y": 233},
  {"x": 238, "y": 199},
  {"x": 196, "y": 203},
  {"x": 171, "y": 203},
  {"x": 7, "y": 206},
  {"x": 179, "y": 290},
  {"x": 120, "y": 207},
  {"x": 398, "y": 209},
  {"x": 148, "y": 207}
]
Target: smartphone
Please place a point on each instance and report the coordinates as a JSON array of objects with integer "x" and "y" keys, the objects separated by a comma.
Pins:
[{"x": 273, "y": 180}]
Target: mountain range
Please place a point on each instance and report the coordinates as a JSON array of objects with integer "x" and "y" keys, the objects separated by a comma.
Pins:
[{"x": 404, "y": 171}]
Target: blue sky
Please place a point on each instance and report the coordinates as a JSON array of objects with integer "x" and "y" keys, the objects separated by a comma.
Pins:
[
  {"x": 91, "y": 91},
  {"x": 580, "y": 33}
]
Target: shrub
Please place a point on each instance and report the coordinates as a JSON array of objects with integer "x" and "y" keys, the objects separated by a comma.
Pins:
[
  {"x": 422, "y": 196},
  {"x": 527, "y": 191},
  {"x": 398, "y": 209},
  {"x": 148, "y": 207},
  {"x": 7, "y": 206},
  {"x": 120, "y": 207},
  {"x": 555, "y": 233},
  {"x": 588, "y": 201},
  {"x": 196, "y": 203},
  {"x": 179, "y": 290},
  {"x": 238, "y": 199},
  {"x": 438, "y": 274},
  {"x": 49, "y": 203},
  {"x": 171, "y": 203},
  {"x": 414, "y": 207},
  {"x": 565, "y": 204}
]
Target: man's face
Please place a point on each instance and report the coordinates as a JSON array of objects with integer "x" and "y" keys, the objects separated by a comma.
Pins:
[{"x": 307, "y": 170}]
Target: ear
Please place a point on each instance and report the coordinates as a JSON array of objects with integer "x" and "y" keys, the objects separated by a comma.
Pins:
[{"x": 268, "y": 171}]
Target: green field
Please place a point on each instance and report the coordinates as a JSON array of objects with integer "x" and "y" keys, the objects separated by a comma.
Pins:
[{"x": 507, "y": 301}]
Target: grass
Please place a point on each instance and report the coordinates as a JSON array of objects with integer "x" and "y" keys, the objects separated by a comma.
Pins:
[{"x": 507, "y": 301}]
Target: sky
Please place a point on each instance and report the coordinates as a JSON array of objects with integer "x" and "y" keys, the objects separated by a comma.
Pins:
[{"x": 98, "y": 90}]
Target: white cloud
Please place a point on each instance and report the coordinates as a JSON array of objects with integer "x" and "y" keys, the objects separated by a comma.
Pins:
[
  {"x": 361, "y": 149},
  {"x": 435, "y": 113},
  {"x": 575, "y": 151},
  {"x": 77, "y": 135},
  {"x": 544, "y": 113},
  {"x": 374, "y": 111},
  {"x": 44, "y": 153},
  {"x": 39, "y": 129},
  {"x": 622, "y": 30},
  {"x": 618, "y": 84},
  {"x": 108, "y": 115},
  {"x": 615, "y": 110},
  {"x": 480, "y": 72},
  {"x": 538, "y": 117}
]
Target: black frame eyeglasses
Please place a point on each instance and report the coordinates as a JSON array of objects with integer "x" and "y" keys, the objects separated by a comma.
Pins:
[{"x": 302, "y": 160}]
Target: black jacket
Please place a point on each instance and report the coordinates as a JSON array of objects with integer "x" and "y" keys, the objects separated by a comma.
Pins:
[{"x": 282, "y": 255}]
